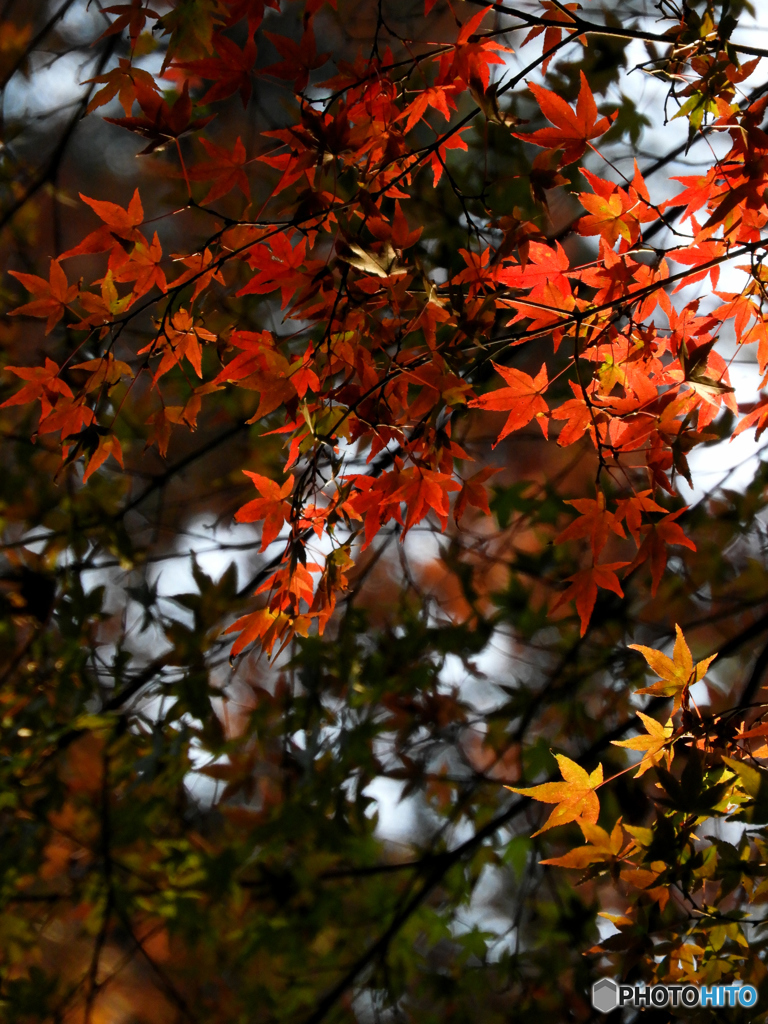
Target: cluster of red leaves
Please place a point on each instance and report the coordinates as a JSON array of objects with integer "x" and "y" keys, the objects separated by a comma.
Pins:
[{"x": 396, "y": 361}]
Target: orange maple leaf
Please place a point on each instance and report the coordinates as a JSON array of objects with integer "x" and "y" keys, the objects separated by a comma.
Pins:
[
  {"x": 107, "y": 446},
  {"x": 52, "y": 296},
  {"x": 121, "y": 82},
  {"x": 424, "y": 491},
  {"x": 522, "y": 398},
  {"x": 272, "y": 506},
  {"x": 118, "y": 224},
  {"x": 594, "y": 521},
  {"x": 575, "y": 797},
  {"x": 143, "y": 267},
  {"x": 182, "y": 337},
  {"x": 632, "y": 510},
  {"x": 43, "y": 384}
]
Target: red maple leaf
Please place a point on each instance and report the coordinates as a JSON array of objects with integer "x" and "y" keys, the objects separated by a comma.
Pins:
[
  {"x": 253, "y": 10},
  {"x": 583, "y": 589},
  {"x": 132, "y": 16},
  {"x": 161, "y": 122},
  {"x": 278, "y": 266},
  {"x": 552, "y": 35},
  {"x": 298, "y": 58},
  {"x": 572, "y": 130},
  {"x": 654, "y": 548},
  {"x": 118, "y": 224},
  {"x": 522, "y": 398},
  {"x": 224, "y": 169},
  {"x": 230, "y": 71},
  {"x": 474, "y": 493}
]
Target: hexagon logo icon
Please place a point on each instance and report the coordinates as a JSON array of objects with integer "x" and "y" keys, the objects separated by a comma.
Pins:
[{"x": 605, "y": 995}]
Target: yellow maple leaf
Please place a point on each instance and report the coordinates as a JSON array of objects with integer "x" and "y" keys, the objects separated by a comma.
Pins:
[
  {"x": 677, "y": 673},
  {"x": 655, "y": 743},
  {"x": 601, "y": 846},
  {"x": 575, "y": 797}
]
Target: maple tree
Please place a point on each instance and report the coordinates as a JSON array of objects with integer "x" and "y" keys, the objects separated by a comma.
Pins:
[{"x": 394, "y": 316}]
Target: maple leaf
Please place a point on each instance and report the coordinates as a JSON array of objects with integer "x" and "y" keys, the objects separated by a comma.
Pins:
[
  {"x": 121, "y": 82},
  {"x": 655, "y": 744},
  {"x": 552, "y": 34},
  {"x": 202, "y": 270},
  {"x": 253, "y": 10},
  {"x": 572, "y": 130},
  {"x": 51, "y": 297},
  {"x": 225, "y": 169},
  {"x": 180, "y": 338},
  {"x": 594, "y": 521},
  {"x": 103, "y": 370},
  {"x": 118, "y": 224},
  {"x": 298, "y": 58},
  {"x": 545, "y": 266},
  {"x": 600, "y": 848},
  {"x": 43, "y": 384},
  {"x": 632, "y": 510},
  {"x": 575, "y": 797},
  {"x": 69, "y": 417},
  {"x": 583, "y": 589},
  {"x": 143, "y": 268},
  {"x": 469, "y": 62},
  {"x": 522, "y": 398},
  {"x": 161, "y": 123},
  {"x": 614, "y": 212},
  {"x": 132, "y": 16},
  {"x": 230, "y": 71},
  {"x": 757, "y": 418},
  {"x": 437, "y": 97},
  {"x": 264, "y": 625},
  {"x": 474, "y": 493},
  {"x": 438, "y": 158},
  {"x": 424, "y": 491},
  {"x": 272, "y": 506},
  {"x": 104, "y": 307},
  {"x": 277, "y": 266},
  {"x": 108, "y": 445},
  {"x": 704, "y": 251},
  {"x": 677, "y": 673},
  {"x": 579, "y": 417},
  {"x": 191, "y": 25},
  {"x": 654, "y": 547}
]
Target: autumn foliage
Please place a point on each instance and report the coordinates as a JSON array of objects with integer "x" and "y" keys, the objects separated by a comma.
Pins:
[{"x": 438, "y": 292}]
